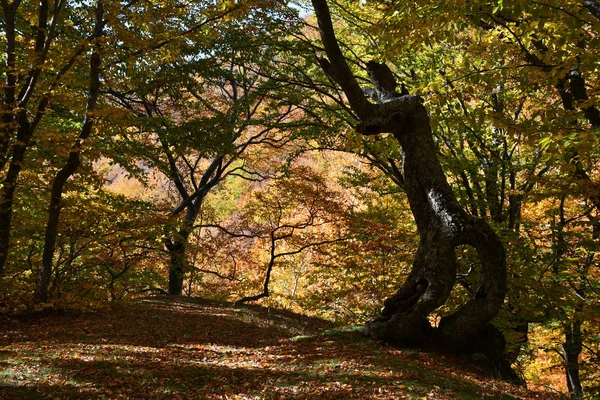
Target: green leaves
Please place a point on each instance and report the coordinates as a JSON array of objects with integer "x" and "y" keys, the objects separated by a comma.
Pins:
[{"x": 499, "y": 7}]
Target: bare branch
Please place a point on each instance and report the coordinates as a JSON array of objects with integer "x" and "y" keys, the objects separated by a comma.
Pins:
[
  {"x": 301, "y": 249},
  {"x": 217, "y": 274},
  {"x": 233, "y": 234}
]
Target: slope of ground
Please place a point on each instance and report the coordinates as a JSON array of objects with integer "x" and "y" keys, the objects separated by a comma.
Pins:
[{"x": 191, "y": 349}]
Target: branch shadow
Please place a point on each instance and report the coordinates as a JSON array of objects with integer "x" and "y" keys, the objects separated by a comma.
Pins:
[{"x": 159, "y": 323}]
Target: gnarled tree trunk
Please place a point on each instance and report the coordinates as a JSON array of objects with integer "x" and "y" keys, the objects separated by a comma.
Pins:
[
  {"x": 441, "y": 221},
  {"x": 442, "y": 226}
]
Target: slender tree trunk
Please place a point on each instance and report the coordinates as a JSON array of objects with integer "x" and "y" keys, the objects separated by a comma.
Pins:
[
  {"x": 7, "y": 193},
  {"x": 72, "y": 163},
  {"x": 492, "y": 193},
  {"x": 5, "y": 224},
  {"x": 265, "y": 292},
  {"x": 573, "y": 341},
  {"x": 521, "y": 329},
  {"x": 7, "y": 114},
  {"x": 14, "y": 108},
  {"x": 9, "y": 184},
  {"x": 43, "y": 284},
  {"x": 572, "y": 347}
]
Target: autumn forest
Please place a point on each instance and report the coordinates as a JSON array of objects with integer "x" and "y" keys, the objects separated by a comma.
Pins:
[{"x": 419, "y": 178}]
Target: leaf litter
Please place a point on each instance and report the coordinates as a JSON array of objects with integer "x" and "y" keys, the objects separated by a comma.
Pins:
[{"x": 181, "y": 348}]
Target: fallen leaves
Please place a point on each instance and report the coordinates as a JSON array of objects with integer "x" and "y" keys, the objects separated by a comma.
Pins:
[{"x": 180, "y": 350}]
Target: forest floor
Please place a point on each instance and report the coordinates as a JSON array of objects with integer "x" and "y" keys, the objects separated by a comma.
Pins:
[{"x": 194, "y": 349}]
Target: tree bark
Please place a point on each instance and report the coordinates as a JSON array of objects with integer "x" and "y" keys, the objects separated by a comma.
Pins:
[
  {"x": 72, "y": 163},
  {"x": 176, "y": 247},
  {"x": 572, "y": 347},
  {"x": 442, "y": 225},
  {"x": 14, "y": 107},
  {"x": 441, "y": 222},
  {"x": 177, "y": 264},
  {"x": 193, "y": 203},
  {"x": 6, "y": 205}
]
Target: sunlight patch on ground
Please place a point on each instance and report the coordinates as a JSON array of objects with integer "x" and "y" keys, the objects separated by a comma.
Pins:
[{"x": 155, "y": 351}]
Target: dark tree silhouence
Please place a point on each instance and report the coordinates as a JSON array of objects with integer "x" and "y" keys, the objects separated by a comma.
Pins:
[{"x": 441, "y": 221}]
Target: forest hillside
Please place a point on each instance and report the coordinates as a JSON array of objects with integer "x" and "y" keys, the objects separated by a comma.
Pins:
[
  {"x": 427, "y": 171},
  {"x": 187, "y": 348}
]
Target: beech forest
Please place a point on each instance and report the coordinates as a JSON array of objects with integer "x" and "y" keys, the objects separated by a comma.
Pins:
[{"x": 334, "y": 199}]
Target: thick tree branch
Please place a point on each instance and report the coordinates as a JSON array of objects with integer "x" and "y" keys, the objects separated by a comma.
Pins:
[
  {"x": 338, "y": 67},
  {"x": 205, "y": 184}
]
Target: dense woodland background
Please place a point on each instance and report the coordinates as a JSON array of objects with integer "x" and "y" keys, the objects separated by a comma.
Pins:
[{"x": 206, "y": 149}]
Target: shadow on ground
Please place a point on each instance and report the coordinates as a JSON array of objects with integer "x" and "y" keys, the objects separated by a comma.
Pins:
[{"x": 196, "y": 349}]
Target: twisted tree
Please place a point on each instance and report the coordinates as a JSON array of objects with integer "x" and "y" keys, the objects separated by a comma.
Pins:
[{"x": 441, "y": 221}]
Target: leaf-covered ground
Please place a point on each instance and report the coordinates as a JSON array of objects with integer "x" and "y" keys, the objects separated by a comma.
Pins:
[{"x": 192, "y": 349}]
